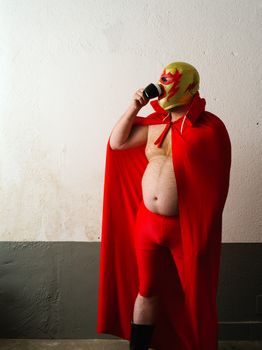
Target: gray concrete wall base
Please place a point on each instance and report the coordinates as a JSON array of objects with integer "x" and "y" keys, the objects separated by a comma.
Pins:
[{"x": 48, "y": 290}]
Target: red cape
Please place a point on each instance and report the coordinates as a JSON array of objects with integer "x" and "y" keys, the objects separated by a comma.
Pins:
[{"x": 188, "y": 311}]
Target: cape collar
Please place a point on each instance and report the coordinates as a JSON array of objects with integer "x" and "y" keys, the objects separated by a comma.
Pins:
[{"x": 196, "y": 108}]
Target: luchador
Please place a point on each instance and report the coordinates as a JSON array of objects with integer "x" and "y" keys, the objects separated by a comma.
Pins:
[{"x": 165, "y": 186}]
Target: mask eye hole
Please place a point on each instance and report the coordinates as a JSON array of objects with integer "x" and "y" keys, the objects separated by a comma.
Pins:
[{"x": 166, "y": 79}]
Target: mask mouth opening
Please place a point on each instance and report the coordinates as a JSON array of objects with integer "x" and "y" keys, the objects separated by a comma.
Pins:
[
  {"x": 163, "y": 93},
  {"x": 159, "y": 89}
]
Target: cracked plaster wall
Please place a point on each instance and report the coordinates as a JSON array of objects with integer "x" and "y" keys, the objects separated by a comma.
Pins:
[{"x": 68, "y": 70}]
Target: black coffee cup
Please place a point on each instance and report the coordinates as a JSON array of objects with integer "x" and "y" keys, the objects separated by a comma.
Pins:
[{"x": 152, "y": 90}]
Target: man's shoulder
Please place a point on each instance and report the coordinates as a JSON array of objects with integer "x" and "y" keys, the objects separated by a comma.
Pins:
[
  {"x": 213, "y": 119},
  {"x": 152, "y": 118},
  {"x": 216, "y": 124}
]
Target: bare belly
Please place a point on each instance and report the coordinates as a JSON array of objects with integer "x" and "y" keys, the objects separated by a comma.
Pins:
[{"x": 159, "y": 186}]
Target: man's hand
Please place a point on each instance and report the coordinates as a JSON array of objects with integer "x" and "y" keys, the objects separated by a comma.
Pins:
[{"x": 139, "y": 100}]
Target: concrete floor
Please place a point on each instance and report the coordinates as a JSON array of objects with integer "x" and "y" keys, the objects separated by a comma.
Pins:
[{"x": 98, "y": 344}]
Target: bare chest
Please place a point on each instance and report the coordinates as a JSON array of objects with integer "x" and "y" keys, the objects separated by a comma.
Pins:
[{"x": 152, "y": 150}]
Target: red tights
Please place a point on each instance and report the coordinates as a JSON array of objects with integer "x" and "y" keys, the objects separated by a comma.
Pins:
[{"x": 156, "y": 236}]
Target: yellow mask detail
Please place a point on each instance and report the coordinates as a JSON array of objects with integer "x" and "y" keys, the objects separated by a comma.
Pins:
[{"x": 179, "y": 82}]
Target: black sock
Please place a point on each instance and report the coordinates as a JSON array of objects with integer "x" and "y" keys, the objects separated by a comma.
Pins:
[{"x": 140, "y": 336}]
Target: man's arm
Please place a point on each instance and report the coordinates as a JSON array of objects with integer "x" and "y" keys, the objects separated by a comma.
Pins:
[
  {"x": 124, "y": 134},
  {"x": 137, "y": 137}
]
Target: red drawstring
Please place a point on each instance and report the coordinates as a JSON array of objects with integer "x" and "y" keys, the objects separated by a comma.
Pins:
[{"x": 160, "y": 139}]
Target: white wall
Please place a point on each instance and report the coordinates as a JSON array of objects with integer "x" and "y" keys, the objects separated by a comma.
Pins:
[{"x": 68, "y": 70}]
